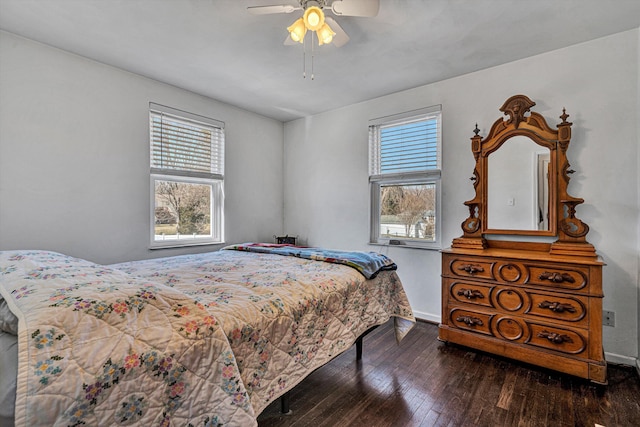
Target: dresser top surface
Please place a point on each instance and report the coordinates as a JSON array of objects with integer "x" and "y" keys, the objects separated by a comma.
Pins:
[{"x": 524, "y": 254}]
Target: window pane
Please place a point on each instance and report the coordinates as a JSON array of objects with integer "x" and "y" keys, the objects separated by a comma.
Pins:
[
  {"x": 182, "y": 210},
  {"x": 408, "y": 211}
]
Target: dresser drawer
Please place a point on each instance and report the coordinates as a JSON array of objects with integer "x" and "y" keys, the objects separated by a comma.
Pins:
[
  {"x": 476, "y": 268},
  {"x": 559, "y": 307},
  {"x": 559, "y": 339},
  {"x": 558, "y": 276},
  {"x": 471, "y": 293},
  {"x": 471, "y": 320},
  {"x": 562, "y": 308}
]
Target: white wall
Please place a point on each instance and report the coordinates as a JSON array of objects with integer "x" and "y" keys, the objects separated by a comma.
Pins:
[
  {"x": 326, "y": 190},
  {"x": 74, "y": 157},
  {"x": 638, "y": 210}
]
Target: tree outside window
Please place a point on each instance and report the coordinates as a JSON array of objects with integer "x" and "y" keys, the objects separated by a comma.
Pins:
[
  {"x": 408, "y": 211},
  {"x": 182, "y": 208}
]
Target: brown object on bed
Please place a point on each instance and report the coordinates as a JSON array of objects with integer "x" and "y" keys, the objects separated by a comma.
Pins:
[{"x": 539, "y": 302}]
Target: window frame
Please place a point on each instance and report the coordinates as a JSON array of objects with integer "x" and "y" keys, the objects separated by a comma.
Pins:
[
  {"x": 215, "y": 179},
  {"x": 423, "y": 177}
]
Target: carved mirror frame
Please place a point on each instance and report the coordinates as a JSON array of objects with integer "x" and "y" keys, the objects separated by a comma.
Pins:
[{"x": 570, "y": 231}]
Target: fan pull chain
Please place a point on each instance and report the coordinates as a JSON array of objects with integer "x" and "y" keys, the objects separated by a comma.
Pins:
[
  {"x": 304, "y": 58},
  {"x": 312, "y": 56}
]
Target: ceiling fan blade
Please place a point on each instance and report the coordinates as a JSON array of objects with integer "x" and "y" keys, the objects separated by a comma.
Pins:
[
  {"x": 277, "y": 8},
  {"x": 341, "y": 38},
  {"x": 365, "y": 8}
]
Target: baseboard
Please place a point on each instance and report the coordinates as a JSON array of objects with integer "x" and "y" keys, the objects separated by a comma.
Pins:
[
  {"x": 431, "y": 318},
  {"x": 621, "y": 360}
]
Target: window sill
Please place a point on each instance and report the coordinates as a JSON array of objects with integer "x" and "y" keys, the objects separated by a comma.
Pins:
[
  {"x": 434, "y": 247},
  {"x": 184, "y": 245}
]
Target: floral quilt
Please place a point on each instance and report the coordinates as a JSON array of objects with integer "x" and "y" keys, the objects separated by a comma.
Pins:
[
  {"x": 98, "y": 346},
  {"x": 207, "y": 339},
  {"x": 283, "y": 316}
]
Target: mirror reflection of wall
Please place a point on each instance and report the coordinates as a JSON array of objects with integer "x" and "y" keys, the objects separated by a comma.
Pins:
[
  {"x": 543, "y": 159},
  {"x": 518, "y": 187}
]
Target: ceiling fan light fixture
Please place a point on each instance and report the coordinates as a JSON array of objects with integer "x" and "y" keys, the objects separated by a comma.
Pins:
[
  {"x": 325, "y": 34},
  {"x": 313, "y": 18},
  {"x": 297, "y": 30}
]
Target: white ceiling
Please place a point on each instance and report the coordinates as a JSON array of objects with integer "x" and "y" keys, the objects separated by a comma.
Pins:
[{"x": 216, "y": 48}]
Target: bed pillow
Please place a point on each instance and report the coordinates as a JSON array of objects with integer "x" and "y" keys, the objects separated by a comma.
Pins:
[{"x": 8, "y": 320}]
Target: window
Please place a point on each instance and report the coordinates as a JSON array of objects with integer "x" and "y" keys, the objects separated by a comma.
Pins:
[
  {"x": 404, "y": 175},
  {"x": 187, "y": 173}
]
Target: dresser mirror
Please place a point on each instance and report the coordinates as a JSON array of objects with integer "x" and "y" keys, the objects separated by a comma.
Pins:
[
  {"x": 521, "y": 178},
  {"x": 518, "y": 186}
]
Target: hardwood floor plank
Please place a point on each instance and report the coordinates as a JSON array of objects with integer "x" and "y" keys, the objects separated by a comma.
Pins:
[
  {"x": 431, "y": 419},
  {"x": 483, "y": 402},
  {"x": 423, "y": 382},
  {"x": 506, "y": 392}
]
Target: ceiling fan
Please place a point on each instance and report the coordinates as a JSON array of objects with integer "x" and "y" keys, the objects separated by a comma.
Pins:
[{"x": 314, "y": 19}]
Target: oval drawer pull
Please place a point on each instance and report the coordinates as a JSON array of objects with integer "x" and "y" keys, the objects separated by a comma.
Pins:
[
  {"x": 471, "y": 269},
  {"x": 470, "y": 321},
  {"x": 470, "y": 293},
  {"x": 557, "y": 277},
  {"x": 554, "y": 337},
  {"x": 557, "y": 307}
]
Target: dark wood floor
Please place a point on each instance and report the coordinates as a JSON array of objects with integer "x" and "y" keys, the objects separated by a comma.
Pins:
[{"x": 423, "y": 382}]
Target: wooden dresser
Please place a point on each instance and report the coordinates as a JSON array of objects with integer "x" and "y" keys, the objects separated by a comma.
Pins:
[
  {"x": 538, "y": 300},
  {"x": 527, "y": 305}
]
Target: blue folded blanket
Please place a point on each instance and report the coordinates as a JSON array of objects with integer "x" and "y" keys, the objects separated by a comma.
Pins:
[{"x": 369, "y": 264}]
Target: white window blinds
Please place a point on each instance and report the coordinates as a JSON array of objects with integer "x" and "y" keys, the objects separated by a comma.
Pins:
[
  {"x": 185, "y": 144},
  {"x": 406, "y": 143}
]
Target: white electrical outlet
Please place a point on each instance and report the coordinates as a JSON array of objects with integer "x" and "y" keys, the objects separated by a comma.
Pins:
[{"x": 608, "y": 318}]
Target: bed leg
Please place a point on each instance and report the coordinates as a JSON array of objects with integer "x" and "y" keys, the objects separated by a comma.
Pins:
[
  {"x": 359, "y": 342},
  {"x": 284, "y": 403}
]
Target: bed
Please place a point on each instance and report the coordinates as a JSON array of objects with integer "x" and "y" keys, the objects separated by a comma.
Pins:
[{"x": 207, "y": 339}]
